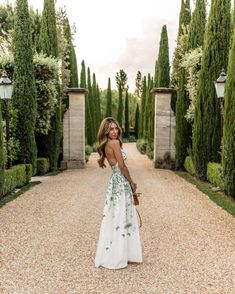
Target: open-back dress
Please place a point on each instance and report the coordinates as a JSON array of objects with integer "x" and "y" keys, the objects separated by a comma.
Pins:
[{"x": 119, "y": 238}]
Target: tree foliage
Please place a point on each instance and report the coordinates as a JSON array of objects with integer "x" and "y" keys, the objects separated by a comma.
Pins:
[
  {"x": 197, "y": 25},
  {"x": 109, "y": 100},
  {"x": 1, "y": 154},
  {"x": 228, "y": 150},
  {"x": 48, "y": 42},
  {"x": 143, "y": 108},
  {"x": 127, "y": 122},
  {"x": 207, "y": 119},
  {"x": 163, "y": 64},
  {"x": 24, "y": 90},
  {"x": 137, "y": 115},
  {"x": 121, "y": 80}
]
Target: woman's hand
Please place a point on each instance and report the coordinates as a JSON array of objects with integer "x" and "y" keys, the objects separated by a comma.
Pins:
[{"x": 133, "y": 186}]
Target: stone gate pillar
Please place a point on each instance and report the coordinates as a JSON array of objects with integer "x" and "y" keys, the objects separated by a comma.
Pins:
[
  {"x": 74, "y": 130},
  {"x": 164, "y": 129}
]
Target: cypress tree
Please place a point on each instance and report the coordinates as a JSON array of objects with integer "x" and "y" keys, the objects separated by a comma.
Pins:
[
  {"x": 71, "y": 59},
  {"x": 183, "y": 127},
  {"x": 90, "y": 120},
  {"x": 137, "y": 114},
  {"x": 143, "y": 107},
  {"x": 138, "y": 84},
  {"x": 83, "y": 75},
  {"x": 207, "y": 119},
  {"x": 127, "y": 123},
  {"x": 181, "y": 18},
  {"x": 98, "y": 99},
  {"x": 73, "y": 68},
  {"x": 24, "y": 88},
  {"x": 184, "y": 20},
  {"x": 120, "y": 106},
  {"x": 1, "y": 155},
  {"x": 148, "y": 107},
  {"x": 95, "y": 105},
  {"x": 151, "y": 112},
  {"x": 109, "y": 100},
  {"x": 83, "y": 85},
  {"x": 163, "y": 64},
  {"x": 197, "y": 25},
  {"x": 48, "y": 42},
  {"x": 185, "y": 16},
  {"x": 121, "y": 79},
  {"x": 228, "y": 150},
  {"x": 155, "y": 74}
]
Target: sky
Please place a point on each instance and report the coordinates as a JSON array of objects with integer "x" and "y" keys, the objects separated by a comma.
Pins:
[{"x": 124, "y": 34}]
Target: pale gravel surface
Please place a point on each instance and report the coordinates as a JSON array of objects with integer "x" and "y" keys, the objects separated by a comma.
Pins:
[{"x": 49, "y": 236}]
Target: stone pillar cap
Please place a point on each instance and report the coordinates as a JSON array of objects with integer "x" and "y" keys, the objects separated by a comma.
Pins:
[
  {"x": 76, "y": 90},
  {"x": 163, "y": 90}
]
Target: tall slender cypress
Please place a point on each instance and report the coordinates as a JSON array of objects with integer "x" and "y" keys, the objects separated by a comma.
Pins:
[
  {"x": 148, "y": 108},
  {"x": 24, "y": 88},
  {"x": 83, "y": 75},
  {"x": 155, "y": 74},
  {"x": 48, "y": 44},
  {"x": 163, "y": 64},
  {"x": 83, "y": 84},
  {"x": 151, "y": 112},
  {"x": 197, "y": 25},
  {"x": 98, "y": 100},
  {"x": 137, "y": 122},
  {"x": 228, "y": 150},
  {"x": 207, "y": 118},
  {"x": 1, "y": 155},
  {"x": 143, "y": 108},
  {"x": 183, "y": 127},
  {"x": 121, "y": 79},
  {"x": 71, "y": 59},
  {"x": 127, "y": 123},
  {"x": 109, "y": 100},
  {"x": 95, "y": 105},
  {"x": 90, "y": 120},
  {"x": 184, "y": 20}
]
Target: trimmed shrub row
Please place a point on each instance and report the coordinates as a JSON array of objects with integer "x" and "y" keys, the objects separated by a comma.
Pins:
[
  {"x": 43, "y": 165},
  {"x": 141, "y": 145},
  {"x": 214, "y": 172},
  {"x": 17, "y": 176},
  {"x": 189, "y": 166}
]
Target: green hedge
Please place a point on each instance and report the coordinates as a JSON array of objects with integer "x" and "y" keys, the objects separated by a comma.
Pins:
[
  {"x": 214, "y": 174},
  {"x": 150, "y": 152},
  {"x": 88, "y": 149},
  {"x": 141, "y": 145},
  {"x": 17, "y": 176},
  {"x": 189, "y": 166},
  {"x": 43, "y": 165}
]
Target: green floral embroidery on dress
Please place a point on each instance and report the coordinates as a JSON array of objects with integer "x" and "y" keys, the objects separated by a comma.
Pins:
[{"x": 119, "y": 187}]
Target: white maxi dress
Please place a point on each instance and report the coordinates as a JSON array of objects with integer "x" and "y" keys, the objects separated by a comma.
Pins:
[{"x": 119, "y": 238}]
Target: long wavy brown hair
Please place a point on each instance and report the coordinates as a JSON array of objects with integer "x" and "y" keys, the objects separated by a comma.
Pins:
[{"x": 102, "y": 137}]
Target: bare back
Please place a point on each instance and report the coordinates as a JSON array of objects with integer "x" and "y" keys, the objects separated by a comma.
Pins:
[{"x": 110, "y": 154}]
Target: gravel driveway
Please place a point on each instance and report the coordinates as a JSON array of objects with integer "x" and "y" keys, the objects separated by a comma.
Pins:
[{"x": 49, "y": 236}]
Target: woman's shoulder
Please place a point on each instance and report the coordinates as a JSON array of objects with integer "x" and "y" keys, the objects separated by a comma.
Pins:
[{"x": 114, "y": 143}]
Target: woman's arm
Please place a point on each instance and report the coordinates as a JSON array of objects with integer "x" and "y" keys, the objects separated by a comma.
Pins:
[{"x": 118, "y": 155}]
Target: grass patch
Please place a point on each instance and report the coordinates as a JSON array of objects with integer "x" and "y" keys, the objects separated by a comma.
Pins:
[
  {"x": 9, "y": 197},
  {"x": 224, "y": 201}
]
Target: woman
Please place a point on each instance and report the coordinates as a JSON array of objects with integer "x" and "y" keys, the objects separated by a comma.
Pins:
[{"x": 119, "y": 240}]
